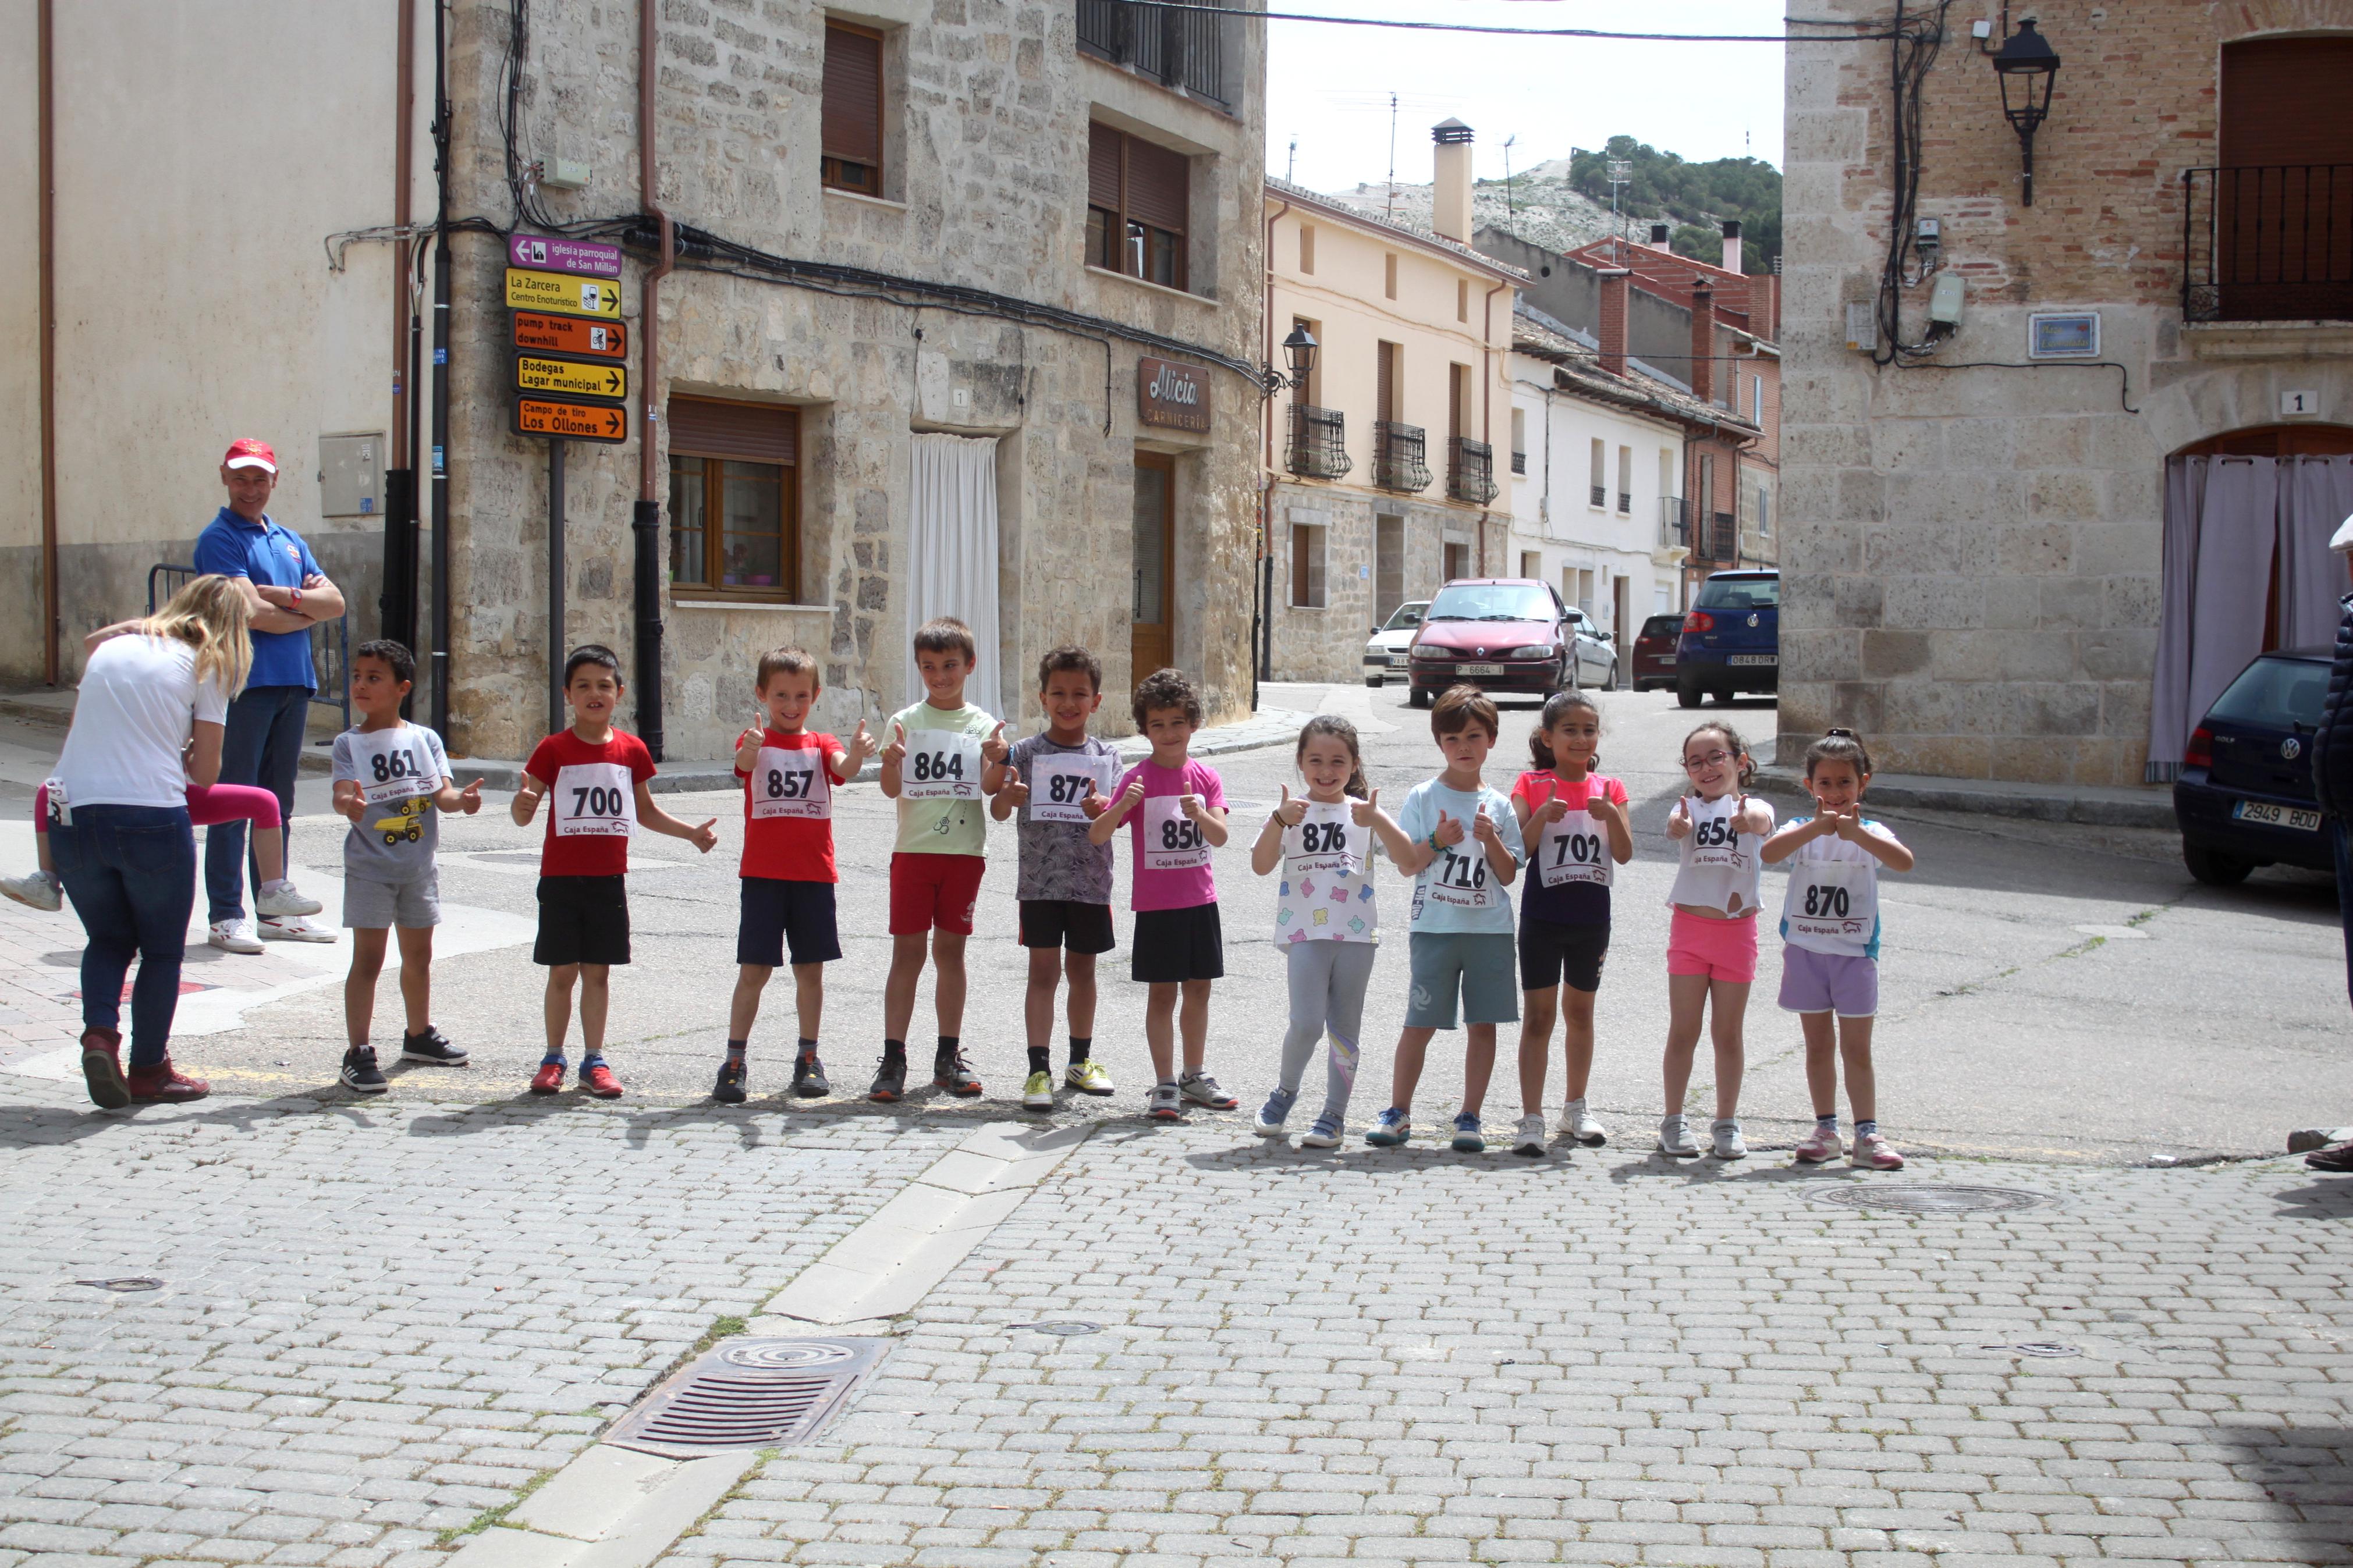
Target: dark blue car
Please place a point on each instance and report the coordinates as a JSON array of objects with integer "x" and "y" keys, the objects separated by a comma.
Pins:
[
  {"x": 1731, "y": 639},
  {"x": 2244, "y": 796}
]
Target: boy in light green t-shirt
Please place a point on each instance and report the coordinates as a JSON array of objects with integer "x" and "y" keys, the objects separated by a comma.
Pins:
[{"x": 943, "y": 758}]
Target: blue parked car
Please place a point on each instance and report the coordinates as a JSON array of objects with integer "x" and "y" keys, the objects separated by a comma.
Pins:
[
  {"x": 1731, "y": 639},
  {"x": 2244, "y": 795}
]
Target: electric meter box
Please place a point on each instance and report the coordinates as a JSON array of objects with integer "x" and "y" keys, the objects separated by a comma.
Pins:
[{"x": 350, "y": 475}]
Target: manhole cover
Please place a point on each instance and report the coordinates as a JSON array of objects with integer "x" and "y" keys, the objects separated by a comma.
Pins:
[
  {"x": 2036, "y": 1348},
  {"x": 125, "y": 1283},
  {"x": 1066, "y": 1330},
  {"x": 1926, "y": 1197},
  {"x": 748, "y": 1392}
]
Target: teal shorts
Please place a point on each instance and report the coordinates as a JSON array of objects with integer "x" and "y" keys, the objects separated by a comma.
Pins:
[{"x": 1478, "y": 965}]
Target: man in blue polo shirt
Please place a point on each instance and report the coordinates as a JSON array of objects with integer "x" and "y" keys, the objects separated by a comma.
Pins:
[{"x": 263, "y": 740}]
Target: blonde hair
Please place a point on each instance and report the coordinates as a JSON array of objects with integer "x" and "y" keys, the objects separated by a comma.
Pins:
[{"x": 210, "y": 616}]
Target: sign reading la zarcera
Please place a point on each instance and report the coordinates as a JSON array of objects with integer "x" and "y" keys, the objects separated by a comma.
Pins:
[{"x": 1171, "y": 395}]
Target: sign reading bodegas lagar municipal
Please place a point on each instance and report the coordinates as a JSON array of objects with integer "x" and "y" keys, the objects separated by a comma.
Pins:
[{"x": 1172, "y": 396}]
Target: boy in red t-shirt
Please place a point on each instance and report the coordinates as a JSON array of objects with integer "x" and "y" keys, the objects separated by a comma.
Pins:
[
  {"x": 596, "y": 776},
  {"x": 790, "y": 776}
]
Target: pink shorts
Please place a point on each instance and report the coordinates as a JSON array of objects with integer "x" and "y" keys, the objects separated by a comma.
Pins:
[{"x": 1721, "y": 949}]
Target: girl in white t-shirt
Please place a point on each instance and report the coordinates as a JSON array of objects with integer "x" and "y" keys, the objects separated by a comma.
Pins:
[
  {"x": 1324, "y": 918},
  {"x": 1717, "y": 829}
]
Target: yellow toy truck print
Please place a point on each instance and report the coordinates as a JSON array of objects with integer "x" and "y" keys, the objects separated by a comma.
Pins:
[{"x": 405, "y": 820}]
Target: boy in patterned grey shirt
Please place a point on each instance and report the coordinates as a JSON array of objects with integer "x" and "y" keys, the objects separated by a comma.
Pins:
[{"x": 1057, "y": 781}]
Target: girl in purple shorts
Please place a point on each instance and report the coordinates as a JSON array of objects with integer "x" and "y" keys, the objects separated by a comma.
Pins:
[{"x": 1829, "y": 918}]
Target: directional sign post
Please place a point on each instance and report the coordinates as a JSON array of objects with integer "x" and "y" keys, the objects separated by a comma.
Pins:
[
  {"x": 563, "y": 293},
  {"x": 569, "y": 378},
  {"x": 561, "y": 419},
  {"x": 556, "y": 254},
  {"x": 570, "y": 336}
]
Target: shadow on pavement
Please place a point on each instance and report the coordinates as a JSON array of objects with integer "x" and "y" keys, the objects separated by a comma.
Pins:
[
  {"x": 2323, "y": 1199},
  {"x": 37, "y": 1126},
  {"x": 2307, "y": 1473}
]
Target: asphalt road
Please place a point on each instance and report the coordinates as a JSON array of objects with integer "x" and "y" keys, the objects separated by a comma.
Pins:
[{"x": 2046, "y": 993}]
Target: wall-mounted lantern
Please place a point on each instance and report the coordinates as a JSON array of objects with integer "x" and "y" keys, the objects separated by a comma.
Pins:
[{"x": 2026, "y": 67}]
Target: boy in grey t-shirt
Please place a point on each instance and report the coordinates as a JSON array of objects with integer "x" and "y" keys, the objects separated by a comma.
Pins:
[
  {"x": 1058, "y": 780},
  {"x": 392, "y": 778}
]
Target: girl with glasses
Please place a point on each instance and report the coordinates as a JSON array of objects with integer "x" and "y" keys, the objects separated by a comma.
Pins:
[{"x": 1718, "y": 831}]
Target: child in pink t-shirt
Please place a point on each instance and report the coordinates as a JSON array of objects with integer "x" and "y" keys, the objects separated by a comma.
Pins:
[{"x": 1177, "y": 808}]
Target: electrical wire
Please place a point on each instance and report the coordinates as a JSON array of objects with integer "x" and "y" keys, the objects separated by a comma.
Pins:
[
  {"x": 2124, "y": 383},
  {"x": 1538, "y": 32},
  {"x": 1914, "y": 54}
]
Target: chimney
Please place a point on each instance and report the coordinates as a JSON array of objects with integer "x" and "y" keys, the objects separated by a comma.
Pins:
[
  {"x": 1450, "y": 191},
  {"x": 1703, "y": 370},
  {"x": 1658, "y": 236},
  {"x": 1612, "y": 331},
  {"x": 1732, "y": 245}
]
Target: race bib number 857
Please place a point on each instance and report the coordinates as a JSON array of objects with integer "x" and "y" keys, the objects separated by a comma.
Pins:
[{"x": 788, "y": 782}]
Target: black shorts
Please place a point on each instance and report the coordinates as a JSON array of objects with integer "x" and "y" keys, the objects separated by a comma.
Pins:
[
  {"x": 775, "y": 912},
  {"x": 1066, "y": 922},
  {"x": 583, "y": 920},
  {"x": 1551, "y": 952},
  {"x": 1177, "y": 944}
]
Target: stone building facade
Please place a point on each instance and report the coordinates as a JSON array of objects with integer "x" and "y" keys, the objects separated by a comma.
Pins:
[
  {"x": 1980, "y": 570},
  {"x": 905, "y": 228}
]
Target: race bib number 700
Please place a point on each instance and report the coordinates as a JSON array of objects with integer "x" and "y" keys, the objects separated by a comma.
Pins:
[{"x": 595, "y": 799}]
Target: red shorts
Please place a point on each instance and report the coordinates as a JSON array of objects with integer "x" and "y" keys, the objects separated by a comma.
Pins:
[
  {"x": 934, "y": 890},
  {"x": 1721, "y": 949}
]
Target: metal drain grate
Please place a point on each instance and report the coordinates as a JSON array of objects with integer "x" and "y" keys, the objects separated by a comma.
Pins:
[
  {"x": 1927, "y": 1197},
  {"x": 748, "y": 1392}
]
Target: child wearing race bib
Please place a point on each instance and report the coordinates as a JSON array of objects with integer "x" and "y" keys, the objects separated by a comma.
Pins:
[
  {"x": 1461, "y": 843},
  {"x": 1060, "y": 782},
  {"x": 594, "y": 777},
  {"x": 1830, "y": 919},
  {"x": 1179, "y": 811},
  {"x": 1324, "y": 919},
  {"x": 789, "y": 774},
  {"x": 1717, "y": 829},
  {"x": 392, "y": 779},
  {"x": 1574, "y": 823},
  {"x": 944, "y": 757}
]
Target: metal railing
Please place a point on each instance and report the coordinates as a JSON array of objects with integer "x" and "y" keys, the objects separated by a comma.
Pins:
[
  {"x": 1519, "y": 462},
  {"x": 1674, "y": 528},
  {"x": 2267, "y": 242},
  {"x": 1600, "y": 495},
  {"x": 1319, "y": 443},
  {"x": 1400, "y": 457},
  {"x": 1625, "y": 503},
  {"x": 1171, "y": 45},
  {"x": 1471, "y": 470},
  {"x": 330, "y": 641}
]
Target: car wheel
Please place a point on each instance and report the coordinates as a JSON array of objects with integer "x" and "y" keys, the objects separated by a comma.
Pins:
[
  {"x": 1417, "y": 696},
  {"x": 1374, "y": 681},
  {"x": 2213, "y": 868},
  {"x": 1574, "y": 674},
  {"x": 1688, "y": 693},
  {"x": 1610, "y": 684}
]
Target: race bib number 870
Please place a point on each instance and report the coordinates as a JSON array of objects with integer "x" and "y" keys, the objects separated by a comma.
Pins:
[{"x": 595, "y": 799}]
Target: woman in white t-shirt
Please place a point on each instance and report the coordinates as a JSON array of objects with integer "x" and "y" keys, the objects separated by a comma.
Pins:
[{"x": 147, "y": 723}]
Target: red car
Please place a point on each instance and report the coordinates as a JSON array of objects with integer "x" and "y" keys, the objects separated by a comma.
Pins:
[
  {"x": 1654, "y": 653},
  {"x": 1499, "y": 634}
]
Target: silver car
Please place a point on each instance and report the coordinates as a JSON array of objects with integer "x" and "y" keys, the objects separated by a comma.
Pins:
[{"x": 1385, "y": 652}]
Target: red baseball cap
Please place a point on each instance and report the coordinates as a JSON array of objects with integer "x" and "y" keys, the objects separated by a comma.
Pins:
[{"x": 250, "y": 454}]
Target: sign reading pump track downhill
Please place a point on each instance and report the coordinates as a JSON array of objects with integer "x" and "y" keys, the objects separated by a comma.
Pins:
[{"x": 570, "y": 336}]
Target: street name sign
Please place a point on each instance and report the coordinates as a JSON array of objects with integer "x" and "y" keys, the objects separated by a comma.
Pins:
[
  {"x": 562, "y": 420},
  {"x": 562, "y": 292},
  {"x": 570, "y": 336},
  {"x": 557, "y": 254},
  {"x": 569, "y": 378}
]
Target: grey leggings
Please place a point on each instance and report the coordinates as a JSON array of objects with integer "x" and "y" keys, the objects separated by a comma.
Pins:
[{"x": 1327, "y": 992}]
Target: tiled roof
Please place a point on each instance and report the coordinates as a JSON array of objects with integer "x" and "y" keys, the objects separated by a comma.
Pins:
[
  {"x": 1301, "y": 195},
  {"x": 1576, "y": 368}
]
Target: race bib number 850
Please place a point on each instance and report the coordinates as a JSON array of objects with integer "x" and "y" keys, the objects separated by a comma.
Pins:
[{"x": 1172, "y": 840}]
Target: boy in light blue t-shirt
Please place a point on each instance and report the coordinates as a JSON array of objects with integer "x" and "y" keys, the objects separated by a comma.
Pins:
[{"x": 1460, "y": 841}]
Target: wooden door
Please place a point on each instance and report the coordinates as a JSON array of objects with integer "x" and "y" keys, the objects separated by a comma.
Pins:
[{"x": 1153, "y": 635}]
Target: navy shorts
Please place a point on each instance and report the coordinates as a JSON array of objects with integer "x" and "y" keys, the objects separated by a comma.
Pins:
[
  {"x": 776, "y": 912},
  {"x": 582, "y": 919}
]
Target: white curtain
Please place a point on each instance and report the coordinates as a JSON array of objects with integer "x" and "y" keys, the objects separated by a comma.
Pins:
[
  {"x": 2315, "y": 497},
  {"x": 2168, "y": 706},
  {"x": 952, "y": 554}
]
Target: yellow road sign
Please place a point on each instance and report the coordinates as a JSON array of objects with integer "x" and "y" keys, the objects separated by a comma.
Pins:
[
  {"x": 534, "y": 374},
  {"x": 571, "y": 421},
  {"x": 562, "y": 291}
]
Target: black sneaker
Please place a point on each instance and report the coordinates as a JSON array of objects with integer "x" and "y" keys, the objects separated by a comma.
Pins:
[
  {"x": 954, "y": 1073},
  {"x": 430, "y": 1046},
  {"x": 729, "y": 1089},
  {"x": 890, "y": 1079},
  {"x": 808, "y": 1076},
  {"x": 360, "y": 1074}
]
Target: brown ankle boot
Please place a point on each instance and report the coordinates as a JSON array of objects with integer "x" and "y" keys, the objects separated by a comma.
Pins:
[
  {"x": 101, "y": 1069},
  {"x": 164, "y": 1082}
]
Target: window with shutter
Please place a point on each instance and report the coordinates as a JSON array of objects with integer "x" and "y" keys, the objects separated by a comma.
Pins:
[
  {"x": 1385, "y": 383},
  {"x": 1138, "y": 194},
  {"x": 735, "y": 498},
  {"x": 850, "y": 124}
]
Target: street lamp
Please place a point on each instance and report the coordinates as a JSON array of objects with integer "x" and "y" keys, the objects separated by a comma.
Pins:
[
  {"x": 2026, "y": 67},
  {"x": 1299, "y": 352}
]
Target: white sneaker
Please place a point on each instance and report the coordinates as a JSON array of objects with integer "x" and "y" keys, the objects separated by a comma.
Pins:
[
  {"x": 1529, "y": 1138},
  {"x": 36, "y": 889},
  {"x": 1729, "y": 1145},
  {"x": 285, "y": 900},
  {"x": 293, "y": 928},
  {"x": 1675, "y": 1138},
  {"x": 233, "y": 936},
  {"x": 1577, "y": 1123}
]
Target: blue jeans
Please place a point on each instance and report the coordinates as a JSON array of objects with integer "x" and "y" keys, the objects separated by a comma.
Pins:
[
  {"x": 131, "y": 872},
  {"x": 261, "y": 744}
]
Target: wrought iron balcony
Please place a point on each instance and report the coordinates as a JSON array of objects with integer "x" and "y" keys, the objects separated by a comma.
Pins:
[
  {"x": 1399, "y": 457},
  {"x": 1171, "y": 45},
  {"x": 1471, "y": 470},
  {"x": 1674, "y": 528},
  {"x": 1319, "y": 443},
  {"x": 2267, "y": 243}
]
